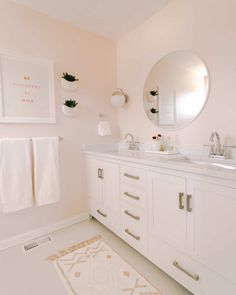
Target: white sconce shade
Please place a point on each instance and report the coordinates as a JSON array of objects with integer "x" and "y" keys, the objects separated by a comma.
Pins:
[{"x": 118, "y": 98}]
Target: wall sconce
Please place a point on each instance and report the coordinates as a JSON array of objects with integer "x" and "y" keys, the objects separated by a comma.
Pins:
[{"x": 118, "y": 98}]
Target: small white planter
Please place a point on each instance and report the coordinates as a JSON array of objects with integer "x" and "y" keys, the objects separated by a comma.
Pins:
[
  {"x": 69, "y": 112},
  {"x": 153, "y": 116},
  {"x": 152, "y": 98},
  {"x": 69, "y": 86}
]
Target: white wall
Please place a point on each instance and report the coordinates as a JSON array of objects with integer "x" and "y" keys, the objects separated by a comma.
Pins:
[
  {"x": 93, "y": 58},
  {"x": 206, "y": 27}
]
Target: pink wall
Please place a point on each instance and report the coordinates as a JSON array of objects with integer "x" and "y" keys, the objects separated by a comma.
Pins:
[
  {"x": 206, "y": 27},
  {"x": 93, "y": 58}
]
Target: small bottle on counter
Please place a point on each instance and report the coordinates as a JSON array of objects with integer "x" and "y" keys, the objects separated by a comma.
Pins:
[
  {"x": 162, "y": 144},
  {"x": 169, "y": 144},
  {"x": 154, "y": 143},
  {"x": 157, "y": 143}
]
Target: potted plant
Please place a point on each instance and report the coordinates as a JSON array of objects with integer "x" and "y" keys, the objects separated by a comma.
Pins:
[
  {"x": 69, "y": 82},
  {"x": 154, "y": 111},
  {"x": 153, "y": 95},
  {"x": 70, "y": 108}
]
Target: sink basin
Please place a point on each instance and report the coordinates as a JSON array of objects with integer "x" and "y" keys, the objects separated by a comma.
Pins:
[
  {"x": 208, "y": 163},
  {"x": 223, "y": 164},
  {"x": 124, "y": 153}
]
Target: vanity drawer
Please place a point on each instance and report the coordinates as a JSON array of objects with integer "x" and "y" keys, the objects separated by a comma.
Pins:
[
  {"x": 191, "y": 274},
  {"x": 134, "y": 225},
  {"x": 106, "y": 217},
  {"x": 133, "y": 217},
  {"x": 133, "y": 195},
  {"x": 133, "y": 176}
]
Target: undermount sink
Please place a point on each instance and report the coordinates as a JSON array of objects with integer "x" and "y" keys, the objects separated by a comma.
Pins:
[
  {"x": 223, "y": 164},
  {"x": 125, "y": 153},
  {"x": 208, "y": 163}
]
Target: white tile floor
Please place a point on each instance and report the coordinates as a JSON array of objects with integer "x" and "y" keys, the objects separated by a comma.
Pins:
[{"x": 31, "y": 274}]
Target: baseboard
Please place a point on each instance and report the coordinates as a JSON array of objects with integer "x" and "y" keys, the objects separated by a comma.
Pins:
[{"x": 30, "y": 235}]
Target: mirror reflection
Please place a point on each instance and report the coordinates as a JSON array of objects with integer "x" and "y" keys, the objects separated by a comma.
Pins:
[{"x": 176, "y": 90}]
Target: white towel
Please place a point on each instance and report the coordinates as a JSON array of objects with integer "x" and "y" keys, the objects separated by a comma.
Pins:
[
  {"x": 104, "y": 128},
  {"x": 16, "y": 190},
  {"x": 46, "y": 170}
]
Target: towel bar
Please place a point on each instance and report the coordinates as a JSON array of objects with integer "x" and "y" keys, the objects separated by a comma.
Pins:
[{"x": 60, "y": 138}]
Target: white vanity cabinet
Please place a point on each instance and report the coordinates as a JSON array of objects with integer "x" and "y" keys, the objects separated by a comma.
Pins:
[
  {"x": 212, "y": 226},
  {"x": 184, "y": 222},
  {"x": 133, "y": 207},
  {"x": 192, "y": 232},
  {"x": 166, "y": 208},
  {"x": 103, "y": 192}
]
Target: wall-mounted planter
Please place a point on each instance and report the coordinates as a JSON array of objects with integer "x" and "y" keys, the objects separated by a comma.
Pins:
[
  {"x": 152, "y": 98},
  {"x": 153, "y": 115},
  {"x": 69, "y": 86},
  {"x": 69, "y": 112}
]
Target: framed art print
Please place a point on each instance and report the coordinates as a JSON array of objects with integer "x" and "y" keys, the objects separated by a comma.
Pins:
[{"x": 26, "y": 90}]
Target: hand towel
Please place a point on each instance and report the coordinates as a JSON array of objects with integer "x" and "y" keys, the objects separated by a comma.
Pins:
[
  {"x": 16, "y": 190},
  {"x": 46, "y": 170},
  {"x": 104, "y": 128}
]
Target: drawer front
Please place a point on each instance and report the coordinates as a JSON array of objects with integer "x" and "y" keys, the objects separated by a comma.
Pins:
[
  {"x": 93, "y": 205},
  {"x": 134, "y": 217},
  {"x": 194, "y": 276},
  {"x": 134, "y": 227},
  {"x": 106, "y": 217},
  {"x": 133, "y": 195},
  {"x": 133, "y": 176},
  {"x": 101, "y": 215}
]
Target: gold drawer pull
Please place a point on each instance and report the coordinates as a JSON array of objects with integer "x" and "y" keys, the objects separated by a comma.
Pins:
[
  {"x": 103, "y": 214},
  {"x": 132, "y": 196},
  {"x": 189, "y": 197},
  {"x": 100, "y": 173},
  {"x": 193, "y": 276},
  {"x": 131, "y": 176},
  {"x": 131, "y": 215},
  {"x": 132, "y": 235},
  {"x": 181, "y": 206}
]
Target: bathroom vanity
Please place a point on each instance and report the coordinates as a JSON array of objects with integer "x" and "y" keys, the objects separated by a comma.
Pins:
[{"x": 178, "y": 212}]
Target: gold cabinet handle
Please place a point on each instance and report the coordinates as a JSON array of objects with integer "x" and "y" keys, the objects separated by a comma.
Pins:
[
  {"x": 181, "y": 206},
  {"x": 132, "y": 235},
  {"x": 189, "y": 197},
  {"x": 193, "y": 276},
  {"x": 131, "y": 215},
  {"x": 101, "y": 213},
  {"x": 131, "y": 196},
  {"x": 131, "y": 176},
  {"x": 100, "y": 173}
]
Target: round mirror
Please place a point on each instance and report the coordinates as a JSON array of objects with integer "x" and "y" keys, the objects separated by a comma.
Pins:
[{"x": 176, "y": 90}]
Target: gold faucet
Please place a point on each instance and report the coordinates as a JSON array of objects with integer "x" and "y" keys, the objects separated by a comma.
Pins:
[
  {"x": 216, "y": 148},
  {"x": 133, "y": 145}
]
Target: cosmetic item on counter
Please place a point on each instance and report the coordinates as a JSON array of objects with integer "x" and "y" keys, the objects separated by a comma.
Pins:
[{"x": 157, "y": 143}]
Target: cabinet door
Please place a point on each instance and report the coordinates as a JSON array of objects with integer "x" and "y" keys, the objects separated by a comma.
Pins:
[
  {"x": 93, "y": 181},
  {"x": 111, "y": 194},
  {"x": 212, "y": 227},
  {"x": 103, "y": 192},
  {"x": 167, "y": 218}
]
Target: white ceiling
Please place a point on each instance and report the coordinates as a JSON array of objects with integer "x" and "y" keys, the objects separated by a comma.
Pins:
[{"x": 110, "y": 18}]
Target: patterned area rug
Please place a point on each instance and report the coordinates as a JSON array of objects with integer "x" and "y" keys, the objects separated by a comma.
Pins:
[{"x": 93, "y": 268}]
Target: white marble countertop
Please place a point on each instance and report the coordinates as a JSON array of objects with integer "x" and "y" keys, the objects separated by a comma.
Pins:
[{"x": 224, "y": 169}]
